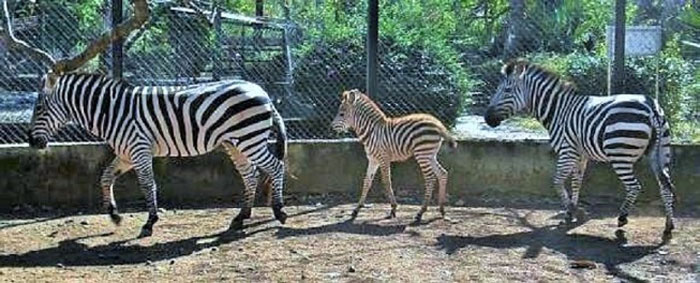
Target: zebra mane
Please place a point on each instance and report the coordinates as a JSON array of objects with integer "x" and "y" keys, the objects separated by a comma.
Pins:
[
  {"x": 363, "y": 101},
  {"x": 104, "y": 78},
  {"x": 523, "y": 65}
]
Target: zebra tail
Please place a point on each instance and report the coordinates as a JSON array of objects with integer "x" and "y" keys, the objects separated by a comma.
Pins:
[
  {"x": 662, "y": 148},
  {"x": 281, "y": 142},
  {"x": 448, "y": 138}
]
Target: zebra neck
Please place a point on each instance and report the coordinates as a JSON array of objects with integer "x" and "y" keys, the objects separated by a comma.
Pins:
[
  {"x": 367, "y": 120},
  {"x": 549, "y": 102}
]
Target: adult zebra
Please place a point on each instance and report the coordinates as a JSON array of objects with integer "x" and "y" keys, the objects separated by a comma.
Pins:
[
  {"x": 616, "y": 129},
  {"x": 389, "y": 139},
  {"x": 140, "y": 123}
]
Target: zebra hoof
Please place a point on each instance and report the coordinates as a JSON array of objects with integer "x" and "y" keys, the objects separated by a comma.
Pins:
[
  {"x": 280, "y": 215},
  {"x": 418, "y": 217},
  {"x": 442, "y": 211},
  {"x": 236, "y": 224},
  {"x": 354, "y": 214},
  {"x": 145, "y": 232},
  {"x": 668, "y": 235},
  {"x": 580, "y": 215},
  {"x": 116, "y": 218},
  {"x": 622, "y": 221},
  {"x": 669, "y": 227},
  {"x": 392, "y": 214}
]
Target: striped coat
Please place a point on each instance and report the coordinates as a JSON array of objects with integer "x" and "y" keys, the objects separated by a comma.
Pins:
[
  {"x": 617, "y": 129},
  {"x": 140, "y": 123},
  {"x": 389, "y": 140}
]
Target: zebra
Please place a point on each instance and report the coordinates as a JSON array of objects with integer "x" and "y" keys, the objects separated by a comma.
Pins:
[
  {"x": 140, "y": 123},
  {"x": 388, "y": 140},
  {"x": 616, "y": 129}
]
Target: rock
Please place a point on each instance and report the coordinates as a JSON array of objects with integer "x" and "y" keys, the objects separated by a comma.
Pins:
[
  {"x": 84, "y": 223},
  {"x": 459, "y": 202},
  {"x": 663, "y": 252},
  {"x": 69, "y": 221},
  {"x": 214, "y": 249},
  {"x": 53, "y": 234},
  {"x": 148, "y": 262},
  {"x": 351, "y": 269},
  {"x": 162, "y": 210},
  {"x": 318, "y": 204},
  {"x": 60, "y": 265},
  {"x": 240, "y": 249},
  {"x": 172, "y": 261}
]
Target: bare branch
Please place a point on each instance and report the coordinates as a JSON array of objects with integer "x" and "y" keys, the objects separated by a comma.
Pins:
[
  {"x": 12, "y": 42},
  {"x": 99, "y": 45}
]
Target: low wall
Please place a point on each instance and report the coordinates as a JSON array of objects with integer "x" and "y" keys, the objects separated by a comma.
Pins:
[{"x": 67, "y": 175}]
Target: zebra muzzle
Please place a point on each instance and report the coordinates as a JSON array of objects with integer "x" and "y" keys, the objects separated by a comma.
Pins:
[
  {"x": 491, "y": 118},
  {"x": 37, "y": 143}
]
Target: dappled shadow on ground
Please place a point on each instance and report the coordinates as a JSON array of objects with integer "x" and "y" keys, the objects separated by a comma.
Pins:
[
  {"x": 71, "y": 252},
  {"x": 609, "y": 252}
]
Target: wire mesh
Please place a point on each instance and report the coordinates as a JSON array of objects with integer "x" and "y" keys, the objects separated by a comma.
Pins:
[{"x": 441, "y": 57}]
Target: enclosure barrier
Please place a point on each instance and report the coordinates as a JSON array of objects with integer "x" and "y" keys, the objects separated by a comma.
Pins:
[{"x": 67, "y": 175}]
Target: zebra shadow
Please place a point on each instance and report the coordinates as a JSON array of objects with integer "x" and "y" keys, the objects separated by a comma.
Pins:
[
  {"x": 72, "y": 252},
  {"x": 348, "y": 227},
  {"x": 610, "y": 253}
]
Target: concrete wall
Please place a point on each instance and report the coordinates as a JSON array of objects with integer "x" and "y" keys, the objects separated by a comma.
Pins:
[{"x": 67, "y": 175}]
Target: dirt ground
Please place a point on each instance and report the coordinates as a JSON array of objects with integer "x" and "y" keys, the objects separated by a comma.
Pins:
[{"x": 319, "y": 243}]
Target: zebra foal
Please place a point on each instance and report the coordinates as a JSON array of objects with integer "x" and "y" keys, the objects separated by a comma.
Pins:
[
  {"x": 615, "y": 129},
  {"x": 140, "y": 123},
  {"x": 388, "y": 140}
]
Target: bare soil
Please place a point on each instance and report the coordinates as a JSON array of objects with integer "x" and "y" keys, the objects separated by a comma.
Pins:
[{"x": 319, "y": 243}]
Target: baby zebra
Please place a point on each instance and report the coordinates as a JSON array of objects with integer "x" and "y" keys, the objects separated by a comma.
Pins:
[{"x": 394, "y": 139}]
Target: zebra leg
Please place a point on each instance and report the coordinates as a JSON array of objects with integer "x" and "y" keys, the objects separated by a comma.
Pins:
[
  {"x": 565, "y": 163},
  {"x": 144, "y": 172},
  {"x": 625, "y": 172},
  {"x": 274, "y": 168},
  {"x": 666, "y": 188},
  {"x": 110, "y": 174},
  {"x": 250, "y": 180},
  {"x": 442, "y": 185},
  {"x": 372, "y": 167},
  {"x": 576, "y": 184},
  {"x": 388, "y": 190},
  {"x": 426, "y": 167}
]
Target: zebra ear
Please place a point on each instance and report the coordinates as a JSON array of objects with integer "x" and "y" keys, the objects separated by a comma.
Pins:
[
  {"x": 507, "y": 69},
  {"x": 350, "y": 96},
  {"x": 49, "y": 83}
]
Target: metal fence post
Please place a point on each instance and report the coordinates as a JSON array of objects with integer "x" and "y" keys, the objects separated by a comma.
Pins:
[
  {"x": 372, "y": 45},
  {"x": 617, "y": 73},
  {"x": 117, "y": 46}
]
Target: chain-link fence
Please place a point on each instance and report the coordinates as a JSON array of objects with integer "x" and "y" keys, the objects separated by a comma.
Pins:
[{"x": 442, "y": 57}]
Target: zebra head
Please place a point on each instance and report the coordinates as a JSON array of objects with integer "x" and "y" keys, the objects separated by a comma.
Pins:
[
  {"x": 49, "y": 115},
  {"x": 344, "y": 119},
  {"x": 509, "y": 98}
]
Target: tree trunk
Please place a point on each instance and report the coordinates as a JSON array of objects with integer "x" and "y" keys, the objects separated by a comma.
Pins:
[{"x": 515, "y": 33}]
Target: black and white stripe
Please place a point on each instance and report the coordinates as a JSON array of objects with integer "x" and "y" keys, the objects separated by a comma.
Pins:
[
  {"x": 615, "y": 129},
  {"x": 388, "y": 139},
  {"x": 140, "y": 123}
]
